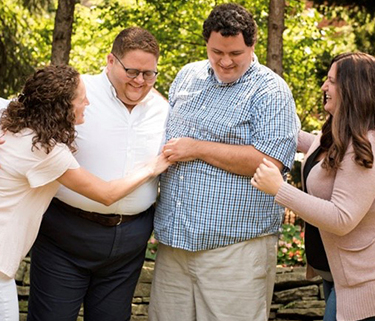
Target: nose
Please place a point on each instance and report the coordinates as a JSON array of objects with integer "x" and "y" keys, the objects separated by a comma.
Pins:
[
  {"x": 226, "y": 61},
  {"x": 139, "y": 78},
  {"x": 324, "y": 86}
]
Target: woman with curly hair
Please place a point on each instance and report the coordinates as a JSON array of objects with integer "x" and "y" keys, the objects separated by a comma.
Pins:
[
  {"x": 38, "y": 129},
  {"x": 340, "y": 198}
]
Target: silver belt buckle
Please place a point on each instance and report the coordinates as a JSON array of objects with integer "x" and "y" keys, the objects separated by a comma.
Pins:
[{"x": 119, "y": 222}]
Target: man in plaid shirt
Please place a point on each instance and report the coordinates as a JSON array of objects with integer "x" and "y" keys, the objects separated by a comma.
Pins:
[{"x": 218, "y": 235}]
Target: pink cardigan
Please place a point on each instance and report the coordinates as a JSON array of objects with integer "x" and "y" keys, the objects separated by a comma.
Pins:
[{"x": 342, "y": 205}]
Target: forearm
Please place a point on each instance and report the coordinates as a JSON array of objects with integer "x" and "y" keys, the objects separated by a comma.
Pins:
[
  {"x": 105, "y": 192},
  {"x": 323, "y": 214},
  {"x": 237, "y": 159},
  {"x": 119, "y": 188}
]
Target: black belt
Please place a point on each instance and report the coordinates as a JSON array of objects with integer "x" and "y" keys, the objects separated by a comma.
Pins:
[{"x": 103, "y": 219}]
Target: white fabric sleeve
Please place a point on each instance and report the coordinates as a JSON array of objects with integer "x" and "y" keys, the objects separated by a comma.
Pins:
[
  {"x": 4, "y": 103},
  {"x": 50, "y": 168}
]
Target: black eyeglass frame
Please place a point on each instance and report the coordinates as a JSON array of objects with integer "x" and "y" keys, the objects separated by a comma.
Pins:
[{"x": 146, "y": 74}]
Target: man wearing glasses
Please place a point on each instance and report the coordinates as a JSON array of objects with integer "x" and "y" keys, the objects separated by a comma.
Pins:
[{"x": 96, "y": 259}]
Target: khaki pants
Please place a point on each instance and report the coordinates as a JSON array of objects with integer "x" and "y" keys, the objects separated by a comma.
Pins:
[{"x": 233, "y": 283}]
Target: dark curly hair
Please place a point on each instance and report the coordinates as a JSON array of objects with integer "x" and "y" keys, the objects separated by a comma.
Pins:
[
  {"x": 231, "y": 19},
  {"x": 355, "y": 112},
  {"x": 45, "y": 106},
  {"x": 135, "y": 38}
]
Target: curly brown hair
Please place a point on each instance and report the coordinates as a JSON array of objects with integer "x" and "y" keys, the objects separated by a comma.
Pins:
[
  {"x": 355, "y": 113},
  {"x": 45, "y": 106},
  {"x": 231, "y": 19}
]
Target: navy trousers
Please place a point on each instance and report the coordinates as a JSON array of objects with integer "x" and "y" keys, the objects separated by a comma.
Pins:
[{"x": 75, "y": 261}]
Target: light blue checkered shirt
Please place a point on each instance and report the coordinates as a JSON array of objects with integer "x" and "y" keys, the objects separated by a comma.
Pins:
[{"x": 204, "y": 207}]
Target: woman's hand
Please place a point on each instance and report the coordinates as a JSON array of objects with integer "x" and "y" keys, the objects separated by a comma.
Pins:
[
  {"x": 267, "y": 178},
  {"x": 158, "y": 165}
]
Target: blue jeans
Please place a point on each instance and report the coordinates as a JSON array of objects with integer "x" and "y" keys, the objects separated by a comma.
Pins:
[{"x": 330, "y": 298}]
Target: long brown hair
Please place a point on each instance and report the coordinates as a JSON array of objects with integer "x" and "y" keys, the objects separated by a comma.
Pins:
[
  {"x": 355, "y": 113},
  {"x": 45, "y": 106}
]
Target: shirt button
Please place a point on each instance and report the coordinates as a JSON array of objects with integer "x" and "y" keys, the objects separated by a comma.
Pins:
[
  {"x": 181, "y": 177},
  {"x": 178, "y": 203}
]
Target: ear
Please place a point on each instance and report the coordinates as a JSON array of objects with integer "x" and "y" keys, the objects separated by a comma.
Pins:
[{"x": 110, "y": 61}]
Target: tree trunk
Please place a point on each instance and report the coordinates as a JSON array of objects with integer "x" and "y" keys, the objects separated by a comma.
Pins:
[
  {"x": 62, "y": 33},
  {"x": 275, "y": 36}
]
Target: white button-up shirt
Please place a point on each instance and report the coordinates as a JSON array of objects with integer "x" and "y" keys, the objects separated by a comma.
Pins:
[
  {"x": 113, "y": 143},
  {"x": 3, "y": 103}
]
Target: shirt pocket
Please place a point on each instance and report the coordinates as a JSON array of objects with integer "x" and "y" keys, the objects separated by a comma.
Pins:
[{"x": 358, "y": 262}]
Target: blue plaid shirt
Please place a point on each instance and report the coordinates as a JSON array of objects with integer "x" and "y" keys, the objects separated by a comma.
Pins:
[{"x": 204, "y": 207}]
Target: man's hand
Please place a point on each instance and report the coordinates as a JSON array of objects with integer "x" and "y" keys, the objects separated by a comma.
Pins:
[{"x": 181, "y": 149}]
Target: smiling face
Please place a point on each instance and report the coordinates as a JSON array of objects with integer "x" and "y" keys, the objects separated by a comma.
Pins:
[
  {"x": 80, "y": 102},
  {"x": 330, "y": 90},
  {"x": 131, "y": 90},
  {"x": 229, "y": 56}
]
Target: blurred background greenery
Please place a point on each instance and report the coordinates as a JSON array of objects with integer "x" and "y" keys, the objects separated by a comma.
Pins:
[{"x": 313, "y": 33}]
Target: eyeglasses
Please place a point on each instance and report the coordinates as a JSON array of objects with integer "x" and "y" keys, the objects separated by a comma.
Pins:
[{"x": 133, "y": 73}]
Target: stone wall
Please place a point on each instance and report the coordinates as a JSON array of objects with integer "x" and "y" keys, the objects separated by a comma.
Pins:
[{"x": 295, "y": 298}]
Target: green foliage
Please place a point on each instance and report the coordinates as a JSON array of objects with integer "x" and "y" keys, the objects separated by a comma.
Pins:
[
  {"x": 91, "y": 40},
  {"x": 178, "y": 25},
  {"x": 356, "y": 25},
  {"x": 25, "y": 40},
  {"x": 24, "y": 45},
  {"x": 308, "y": 50},
  {"x": 291, "y": 251},
  {"x": 353, "y": 5},
  {"x": 175, "y": 24},
  {"x": 152, "y": 248},
  {"x": 15, "y": 57}
]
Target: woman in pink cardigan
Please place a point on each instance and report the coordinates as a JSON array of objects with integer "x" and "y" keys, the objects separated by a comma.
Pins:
[{"x": 341, "y": 185}]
